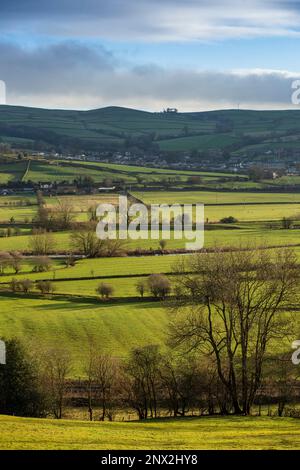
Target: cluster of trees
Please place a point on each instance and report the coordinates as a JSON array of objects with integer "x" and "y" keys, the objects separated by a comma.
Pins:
[
  {"x": 15, "y": 261},
  {"x": 157, "y": 285},
  {"x": 85, "y": 241},
  {"x": 10, "y": 231},
  {"x": 12, "y": 260},
  {"x": 60, "y": 217},
  {"x": 27, "y": 285},
  {"x": 230, "y": 307},
  {"x": 226, "y": 320},
  {"x": 151, "y": 382}
]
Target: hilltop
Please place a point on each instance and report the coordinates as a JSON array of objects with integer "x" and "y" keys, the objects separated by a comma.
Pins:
[{"x": 241, "y": 132}]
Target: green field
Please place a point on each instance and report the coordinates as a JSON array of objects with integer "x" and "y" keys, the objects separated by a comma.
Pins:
[
  {"x": 167, "y": 434},
  {"x": 108, "y": 128},
  {"x": 12, "y": 172},
  {"x": 214, "y": 197},
  {"x": 262, "y": 236},
  {"x": 53, "y": 172},
  {"x": 19, "y": 214},
  {"x": 89, "y": 268},
  {"x": 115, "y": 328}
]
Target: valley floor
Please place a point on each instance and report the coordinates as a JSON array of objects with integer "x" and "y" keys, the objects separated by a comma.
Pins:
[{"x": 212, "y": 433}]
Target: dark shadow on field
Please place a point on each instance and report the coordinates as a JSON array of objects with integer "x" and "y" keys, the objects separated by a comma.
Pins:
[{"x": 58, "y": 302}]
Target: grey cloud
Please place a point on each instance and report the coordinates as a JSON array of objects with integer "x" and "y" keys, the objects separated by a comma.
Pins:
[
  {"x": 151, "y": 19},
  {"x": 73, "y": 75}
]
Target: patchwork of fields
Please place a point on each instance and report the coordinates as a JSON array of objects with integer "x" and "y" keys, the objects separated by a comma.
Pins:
[
  {"x": 109, "y": 128},
  {"x": 74, "y": 312}
]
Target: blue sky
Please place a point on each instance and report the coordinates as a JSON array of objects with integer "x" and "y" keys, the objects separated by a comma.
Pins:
[{"x": 149, "y": 54}]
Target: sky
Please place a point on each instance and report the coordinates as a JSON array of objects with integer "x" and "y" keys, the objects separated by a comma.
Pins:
[{"x": 194, "y": 55}]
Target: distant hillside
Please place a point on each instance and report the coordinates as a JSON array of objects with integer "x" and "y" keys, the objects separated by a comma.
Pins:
[{"x": 236, "y": 131}]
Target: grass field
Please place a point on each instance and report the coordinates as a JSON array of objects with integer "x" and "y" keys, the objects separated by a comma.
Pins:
[
  {"x": 12, "y": 172},
  {"x": 115, "y": 328},
  {"x": 19, "y": 214},
  {"x": 214, "y": 197},
  {"x": 259, "y": 235},
  {"x": 98, "y": 267},
  {"x": 166, "y": 434}
]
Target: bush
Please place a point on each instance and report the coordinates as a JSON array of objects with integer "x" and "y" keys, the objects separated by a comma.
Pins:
[
  {"x": 105, "y": 290},
  {"x": 229, "y": 220},
  {"x": 25, "y": 285},
  {"x": 41, "y": 264},
  {"x": 45, "y": 287},
  {"x": 159, "y": 285}
]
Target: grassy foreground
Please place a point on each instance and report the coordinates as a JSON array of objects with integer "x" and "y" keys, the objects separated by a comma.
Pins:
[{"x": 190, "y": 433}]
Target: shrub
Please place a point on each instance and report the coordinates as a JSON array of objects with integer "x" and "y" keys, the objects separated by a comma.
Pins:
[
  {"x": 105, "y": 290},
  {"x": 229, "y": 220},
  {"x": 26, "y": 285},
  {"x": 159, "y": 285},
  {"x": 45, "y": 287}
]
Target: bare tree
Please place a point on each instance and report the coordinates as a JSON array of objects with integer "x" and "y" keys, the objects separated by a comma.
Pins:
[
  {"x": 144, "y": 380},
  {"x": 64, "y": 214},
  {"x": 105, "y": 290},
  {"x": 90, "y": 378},
  {"x": 45, "y": 287},
  {"x": 141, "y": 287},
  {"x": 15, "y": 285},
  {"x": 229, "y": 307},
  {"x": 5, "y": 261},
  {"x": 85, "y": 241},
  {"x": 159, "y": 285},
  {"x": 92, "y": 211},
  {"x": 16, "y": 261},
  {"x": 106, "y": 378},
  {"x": 41, "y": 264},
  {"x": 56, "y": 369},
  {"x": 41, "y": 242},
  {"x": 25, "y": 285},
  {"x": 180, "y": 379}
]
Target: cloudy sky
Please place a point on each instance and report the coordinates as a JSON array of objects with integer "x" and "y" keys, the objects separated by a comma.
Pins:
[{"x": 150, "y": 54}]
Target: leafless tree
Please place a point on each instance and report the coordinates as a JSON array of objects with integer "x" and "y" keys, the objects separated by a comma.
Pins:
[
  {"x": 5, "y": 261},
  {"x": 41, "y": 242},
  {"x": 25, "y": 285},
  {"x": 181, "y": 382},
  {"x": 56, "y": 369},
  {"x": 16, "y": 261},
  {"x": 64, "y": 214},
  {"x": 159, "y": 285},
  {"x": 92, "y": 211},
  {"x": 45, "y": 287},
  {"x": 105, "y": 290},
  {"x": 144, "y": 380},
  {"x": 230, "y": 307},
  {"x": 141, "y": 287},
  {"x": 106, "y": 371},
  {"x": 87, "y": 243},
  {"x": 41, "y": 264}
]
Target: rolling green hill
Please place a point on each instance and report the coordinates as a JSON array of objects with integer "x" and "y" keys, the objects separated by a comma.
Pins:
[{"x": 116, "y": 127}]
